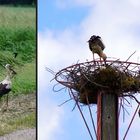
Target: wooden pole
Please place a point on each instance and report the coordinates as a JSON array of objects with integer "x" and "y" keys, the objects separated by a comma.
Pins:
[{"x": 107, "y": 116}]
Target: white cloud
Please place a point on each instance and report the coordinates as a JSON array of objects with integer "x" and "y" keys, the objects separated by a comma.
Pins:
[
  {"x": 64, "y": 49},
  {"x": 50, "y": 119},
  {"x": 114, "y": 21},
  {"x": 134, "y": 3}
]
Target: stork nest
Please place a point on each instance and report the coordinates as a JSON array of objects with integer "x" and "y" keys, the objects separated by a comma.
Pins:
[{"x": 87, "y": 79}]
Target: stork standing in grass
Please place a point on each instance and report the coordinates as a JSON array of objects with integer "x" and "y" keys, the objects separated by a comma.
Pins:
[
  {"x": 96, "y": 46},
  {"x": 6, "y": 84}
]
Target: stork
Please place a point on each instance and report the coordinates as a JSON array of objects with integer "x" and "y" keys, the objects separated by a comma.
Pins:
[
  {"x": 96, "y": 46},
  {"x": 6, "y": 84}
]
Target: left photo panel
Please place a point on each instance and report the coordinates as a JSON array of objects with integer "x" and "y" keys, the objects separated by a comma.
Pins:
[{"x": 18, "y": 70}]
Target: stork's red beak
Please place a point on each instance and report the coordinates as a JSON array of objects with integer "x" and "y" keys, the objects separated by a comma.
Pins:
[{"x": 13, "y": 72}]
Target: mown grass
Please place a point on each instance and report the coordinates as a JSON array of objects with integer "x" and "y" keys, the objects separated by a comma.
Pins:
[
  {"x": 25, "y": 80},
  {"x": 20, "y": 114},
  {"x": 18, "y": 123}
]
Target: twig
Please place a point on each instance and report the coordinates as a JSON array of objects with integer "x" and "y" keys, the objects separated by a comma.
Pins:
[
  {"x": 131, "y": 121},
  {"x": 50, "y": 71},
  {"x": 83, "y": 117},
  {"x": 130, "y": 56},
  {"x": 65, "y": 102},
  {"x": 134, "y": 98}
]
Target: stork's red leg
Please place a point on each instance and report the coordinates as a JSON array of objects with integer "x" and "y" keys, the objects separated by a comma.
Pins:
[
  {"x": 94, "y": 59},
  {"x": 100, "y": 61},
  {"x": 7, "y": 102}
]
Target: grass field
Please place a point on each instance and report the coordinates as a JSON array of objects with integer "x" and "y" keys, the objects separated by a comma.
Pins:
[
  {"x": 18, "y": 31},
  {"x": 18, "y": 34},
  {"x": 17, "y": 17},
  {"x": 20, "y": 114}
]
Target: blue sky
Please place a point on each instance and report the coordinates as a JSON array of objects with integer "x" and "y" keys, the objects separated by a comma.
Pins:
[
  {"x": 64, "y": 26},
  {"x": 58, "y": 18}
]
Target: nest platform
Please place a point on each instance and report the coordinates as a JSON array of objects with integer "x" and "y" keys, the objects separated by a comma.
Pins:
[{"x": 86, "y": 80}]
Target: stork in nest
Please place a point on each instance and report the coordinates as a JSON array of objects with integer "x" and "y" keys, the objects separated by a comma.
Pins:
[
  {"x": 96, "y": 46},
  {"x": 6, "y": 84}
]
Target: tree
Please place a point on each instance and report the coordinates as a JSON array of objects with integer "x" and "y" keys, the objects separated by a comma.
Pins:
[{"x": 17, "y": 2}]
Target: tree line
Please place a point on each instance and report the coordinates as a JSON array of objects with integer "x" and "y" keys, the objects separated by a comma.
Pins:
[{"x": 17, "y": 2}]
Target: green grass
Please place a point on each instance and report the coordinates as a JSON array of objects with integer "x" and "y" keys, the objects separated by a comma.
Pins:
[
  {"x": 17, "y": 17},
  {"x": 18, "y": 34},
  {"x": 24, "y": 82},
  {"x": 18, "y": 31},
  {"x": 7, "y": 57}
]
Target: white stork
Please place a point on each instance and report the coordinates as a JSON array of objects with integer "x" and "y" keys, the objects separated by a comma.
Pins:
[
  {"x": 6, "y": 84},
  {"x": 96, "y": 46}
]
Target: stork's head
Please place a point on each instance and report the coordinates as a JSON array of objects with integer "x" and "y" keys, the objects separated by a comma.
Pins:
[
  {"x": 7, "y": 66},
  {"x": 93, "y": 37}
]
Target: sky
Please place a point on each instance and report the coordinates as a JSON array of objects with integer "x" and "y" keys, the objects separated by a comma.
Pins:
[{"x": 64, "y": 27}]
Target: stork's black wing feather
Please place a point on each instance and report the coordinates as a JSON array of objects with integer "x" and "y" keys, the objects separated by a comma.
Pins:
[
  {"x": 94, "y": 37},
  {"x": 96, "y": 40},
  {"x": 90, "y": 46},
  {"x": 100, "y": 43},
  {"x": 91, "y": 41},
  {"x": 3, "y": 89}
]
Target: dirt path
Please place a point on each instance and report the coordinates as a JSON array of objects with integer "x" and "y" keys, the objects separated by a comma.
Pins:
[
  {"x": 27, "y": 134},
  {"x": 20, "y": 116}
]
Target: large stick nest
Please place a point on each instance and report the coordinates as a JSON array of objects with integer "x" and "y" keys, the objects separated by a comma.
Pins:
[{"x": 90, "y": 78}]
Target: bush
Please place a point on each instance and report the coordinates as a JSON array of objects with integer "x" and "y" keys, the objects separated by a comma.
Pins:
[{"x": 22, "y": 41}]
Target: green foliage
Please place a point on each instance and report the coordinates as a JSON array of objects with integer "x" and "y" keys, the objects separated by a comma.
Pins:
[
  {"x": 17, "y": 32},
  {"x": 17, "y": 17},
  {"x": 17, "y": 2},
  {"x": 21, "y": 40}
]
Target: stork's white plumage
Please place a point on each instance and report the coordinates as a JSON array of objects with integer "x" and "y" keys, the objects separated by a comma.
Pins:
[
  {"x": 5, "y": 84},
  {"x": 96, "y": 46}
]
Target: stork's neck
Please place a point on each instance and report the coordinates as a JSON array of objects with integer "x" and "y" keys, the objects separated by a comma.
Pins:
[
  {"x": 9, "y": 74},
  {"x": 8, "y": 78}
]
